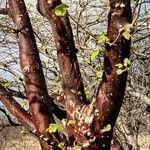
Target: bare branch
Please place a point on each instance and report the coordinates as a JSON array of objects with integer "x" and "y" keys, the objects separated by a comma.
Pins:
[
  {"x": 9, "y": 118},
  {"x": 137, "y": 94},
  {"x": 4, "y": 11}
]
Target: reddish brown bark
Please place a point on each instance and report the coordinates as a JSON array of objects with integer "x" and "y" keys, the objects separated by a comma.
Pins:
[
  {"x": 67, "y": 59},
  {"x": 111, "y": 91},
  {"x": 30, "y": 63},
  {"x": 15, "y": 109},
  {"x": 4, "y": 11}
]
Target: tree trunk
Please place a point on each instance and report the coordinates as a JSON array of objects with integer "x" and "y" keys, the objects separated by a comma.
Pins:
[
  {"x": 94, "y": 121},
  {"x": 30, "y": 63},
  {"x": 111, "y": 91}
]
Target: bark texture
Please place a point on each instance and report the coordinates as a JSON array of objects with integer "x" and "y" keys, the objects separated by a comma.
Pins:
[
  {"x": 67, "y": 59},
  {"x": 15, "y": 108},
  {"x": 111, "y": 91},
  {"x": 91, "y": 118},
  {"x": 30, "y": 63}
]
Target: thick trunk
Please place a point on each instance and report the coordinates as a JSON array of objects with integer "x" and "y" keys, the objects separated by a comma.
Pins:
[{"x": 111, "y": 91}]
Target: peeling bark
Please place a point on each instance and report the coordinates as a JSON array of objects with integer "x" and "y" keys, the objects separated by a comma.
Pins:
[
  {"x": 30, "y": 63},
  {"x": 111, "y": 91},
  {"x": 66, "y": 53}
]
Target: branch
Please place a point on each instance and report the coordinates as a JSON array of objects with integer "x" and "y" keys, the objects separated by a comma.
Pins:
[
  {"x": 23, "y": 117},
  {"x": 15, "y": 108},
  {"x": 129, "y": 137},
  {"x": 37, "y": 93},
  {"x": 67, "y": 58},
  {"x": 9, "y": 118},
  {"x": 135, "y": 93},
  {"x": 4, "y": 11}
]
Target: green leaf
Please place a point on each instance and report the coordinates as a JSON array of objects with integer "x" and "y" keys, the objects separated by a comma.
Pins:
[
  {"x": 106, "y": 128},
  {"x": 54, "y": 127},
  {"x": 61, "y": 145},
  {"x": 8, "y": 113},
  {"x": 5, "y": 84},
  {"x": 24, "y": 103},
  {"x": 18, "y": 19},
  {"x": 45, "y": 139},
  {"x": 77, "y": 147},
  {"x": 61, "y": 10},
  {"x": 119, "y": 65},
  {"x": 18, "y": 94},
  {"x": 99, "y": 73},
  {"x": 43, "y": 48},
  {"x": 127, "y": 62},
  {"x": 19, "y": 78},
  {"x": 98, "y": 68},
  {"x": 94, "y": 54},
  {"x": 102, "y": 38},
  {"x": 126, "y": 35},
  {"x": 71, "y": 122},
  {"x": 119, "y": 71}
]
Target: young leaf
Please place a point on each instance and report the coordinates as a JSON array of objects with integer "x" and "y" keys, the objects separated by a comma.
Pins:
[
  {"x": 18, "y": 19},
  {"x": 126, "y": 35},
  {"x": 127, "y": 62},
  {"x": 77, "y": 147},
  {"x": 94, "y": 54},
  {"x": 106, "y": 128},
  {"x": 24, "y": 103},
  {"x": 119, "y": 71},
  {"x": 54, "y": 127},
  {"x": 102, "y": 38},
  {"x": 5, "y": 84},
  {"x": 71, "y": 122},
  {"x": 45, "y": 139},
  {"x": 61, "y": 145},
  {"x": 99, "y": 73},
  {"x": 119, "y": 65},
  {"x": 61, "y": 10},
  {"x": 19, "y": 78}
]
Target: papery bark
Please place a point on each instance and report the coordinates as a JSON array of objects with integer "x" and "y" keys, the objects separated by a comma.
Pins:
[
  {"x": 66, "y": 53},
  {"x": 30, "y": 63},
  {"x": 112, "y": 88}
]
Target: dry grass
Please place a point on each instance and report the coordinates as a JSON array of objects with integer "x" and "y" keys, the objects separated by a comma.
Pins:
[{"x": 17, "y": 138}]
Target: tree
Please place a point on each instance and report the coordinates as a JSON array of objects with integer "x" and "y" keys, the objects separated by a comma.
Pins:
[{"x": 89, "y": 123}]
